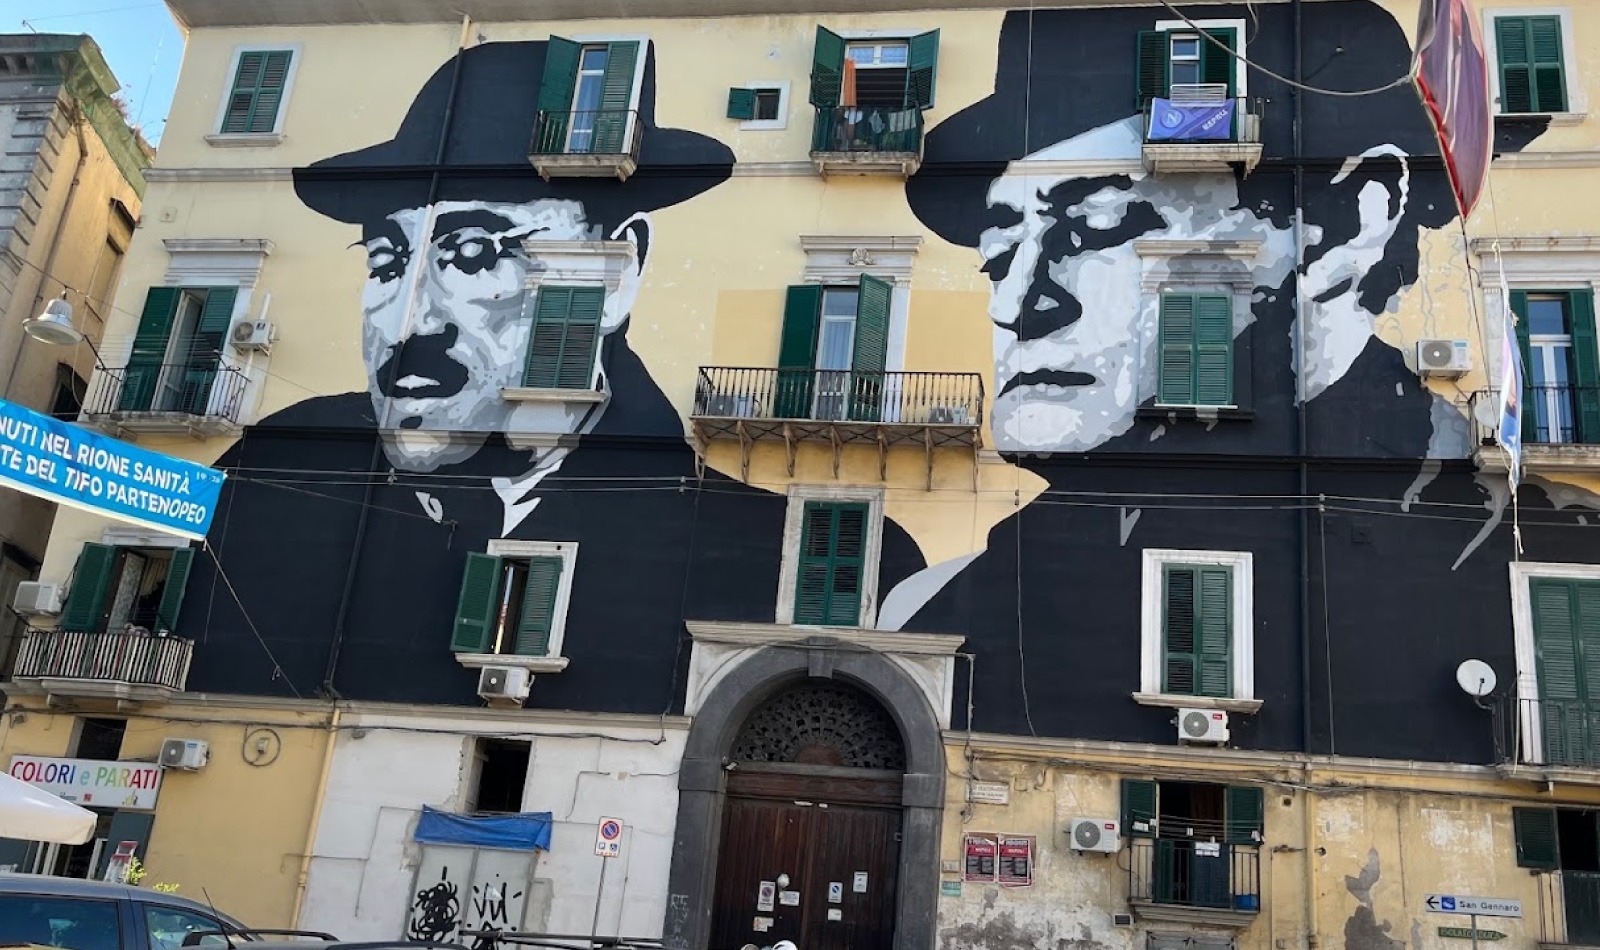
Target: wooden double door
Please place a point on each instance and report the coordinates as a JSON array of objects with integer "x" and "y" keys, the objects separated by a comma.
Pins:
[{"x": 834, "y": 835}]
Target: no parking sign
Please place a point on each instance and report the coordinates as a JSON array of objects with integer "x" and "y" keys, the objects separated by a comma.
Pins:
[{"x": 608, "y": 838}]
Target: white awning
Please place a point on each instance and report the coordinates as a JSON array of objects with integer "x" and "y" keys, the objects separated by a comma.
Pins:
[{"x": 33, "y": 814}]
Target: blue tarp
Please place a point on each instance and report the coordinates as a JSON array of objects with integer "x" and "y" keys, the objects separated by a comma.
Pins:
[{"x": 522, "y": 832}]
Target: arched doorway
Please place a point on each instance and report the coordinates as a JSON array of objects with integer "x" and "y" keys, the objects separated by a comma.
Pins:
[{"x": 811, "y": 826}]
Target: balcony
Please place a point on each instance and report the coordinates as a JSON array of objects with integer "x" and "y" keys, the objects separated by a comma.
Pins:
[
  {"x": 195, "y": 398},
  {"x": 1569, "y": 909},
  {"x": 127, "y": 667},
  {"x": 1194, "y": 882},
  {"x": 594, "y": 143},
  {"x": 859, "y": 140},
  {"x": 1559, "y": 433},
  {"x": 1200, "y": 131},
  {"x": 1560, "y": 736},
  {"x": 838, "y": 408}
]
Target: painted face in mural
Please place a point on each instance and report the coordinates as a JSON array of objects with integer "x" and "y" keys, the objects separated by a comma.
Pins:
[
  {"x": 1074, "y": 334},
  {"x": 447, "y": 320}
]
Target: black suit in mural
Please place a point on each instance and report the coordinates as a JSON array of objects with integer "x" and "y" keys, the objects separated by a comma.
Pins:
[
  {"x": 1400, "y": 589},
  {"x": 347, "y": 521}
]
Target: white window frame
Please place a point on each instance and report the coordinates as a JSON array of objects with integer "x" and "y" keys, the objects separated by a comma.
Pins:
[
  {"x": 1577, "y": 95},
  {"x": 1242, "y": 660},
  {"x": 1241, "y": 74},
  {"x": 643, "y": 39},
  {"x": 793, "y": 524},
  {"x": 554, "y": 661},
  {"x": 838, "y": 259},
  {"x": 1527, "y": 687},
  {"x": 219, "y": 138},
  {"x": 572, "y": 264},
  {"x": 769, "y": 125}
]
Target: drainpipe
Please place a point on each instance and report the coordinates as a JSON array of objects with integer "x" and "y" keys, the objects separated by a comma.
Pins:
[
  {"x": 1303, "y": 440},
  {"x": 55, "y": 243},
  {"x": 304, "y": 876},
  {"x": 343, "y": 614}
]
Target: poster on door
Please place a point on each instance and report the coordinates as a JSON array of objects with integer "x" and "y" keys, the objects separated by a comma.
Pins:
[
  {"x": 1016, "y": 860},
  {"x": 981, "y": 852}
]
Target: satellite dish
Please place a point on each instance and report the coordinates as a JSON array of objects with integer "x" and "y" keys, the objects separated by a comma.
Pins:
[{"x": 1476, "y": 678}]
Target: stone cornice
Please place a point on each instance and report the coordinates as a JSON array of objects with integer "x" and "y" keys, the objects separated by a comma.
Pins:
[{"x": 734, "y": 633}]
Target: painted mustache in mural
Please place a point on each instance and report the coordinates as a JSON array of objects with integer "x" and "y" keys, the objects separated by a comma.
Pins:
[{"x": 420, "y": 367}]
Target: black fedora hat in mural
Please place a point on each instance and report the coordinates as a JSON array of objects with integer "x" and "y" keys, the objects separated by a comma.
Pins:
[
  {"x": 1058, "y": 76},
  {"x": 491, "y": 118}
]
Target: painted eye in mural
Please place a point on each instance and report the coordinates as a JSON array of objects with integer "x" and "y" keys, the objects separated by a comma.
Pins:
[
  {"x": 470, "y": 255},
  {"x": 386, "y": 263}
]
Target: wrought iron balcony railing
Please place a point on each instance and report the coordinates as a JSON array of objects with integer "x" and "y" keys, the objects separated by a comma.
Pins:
[
  {"x": 872, "y": 129},
  {"x": 921, "y": 399},
  {"x": 587, "y": 132},
  {"x": 197, "y": 388},
  {"x": 103, "y": 662},
  {"x": 1558, "y": 732},
  {"x": 1551, "y": 415},
  {"x": 1197, "y": 874}
]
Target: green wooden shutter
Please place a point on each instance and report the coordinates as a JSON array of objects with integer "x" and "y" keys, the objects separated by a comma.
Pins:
[
  {"x": 556, "y": 88},
  {"x": 149, "y": 348},
  {"x": 1566, "y": 640},
  {"x": 565, "y": 333},
  {"x": 537, "y": 617},
  {"x": 832, "y": 555},
  {"x": 1516, "y": 64},
  {"x": 1519, "y": 306},
  {"x": 1175, "y": 342},
  {"x": 205, "y": 349},
  {"x": 871, "y": 354},
  {"x": 1153, "y": 67},
  {"x": 1218, "y": 65},
  {"x": 1549, "y": 69},
  {"x": 1585, "y": 366},
  {"x": 91, "y": 582},
  {"x": 797, "y": 351},
  {"x": 922, "y": 72},
  {"x": 1214, "y": 632},
  {"x": 827, "y": 69},
  {"x": 1555, "y": 640},
  {"x": 172, "y": 590},
  {"x": 616, "y": 96},
  {"x": 257, "y": 92},
  {"x": 1537, "y": 844},
  {"x": 1245, "y": 814},
  {"x": 1138, "y": 808},
  {"x": 1179, "y": 650},
  {"x": 1213, "y": 343},
  {"x": 479, "y": 605},
  {"x": 1532, "y": 64},
  {"x": 742, "y": 104}
]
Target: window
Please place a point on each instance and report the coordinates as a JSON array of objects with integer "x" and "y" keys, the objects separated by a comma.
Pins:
[
  {"x": 514, "y": 599},
  {"x": 1565, "y": 840},
  {"x": 1196, "y": 350},
  {"x": 177, "y": 350},
  {"x": 1194, "y": 843},
  {"x": 854, "y": 82},
  {"x": 100, "y": 739},
  {"x": 832, "y": 554},
  {"x": 1196, "y": 626},
  {"x": 1561, "y": 360},
  {"x": 169, "y": 926},
  {"x": 1532, "y": 70},
  {"x": 565, "y": 338},
  {"x": 761, "y": 105},
  {"x": 1180, "y": 56},
  {"x": 1566, "y": 638},
  {"x": 71, "y": 923},
  {"x": 586, "y": 97},
  {"x": 833, "y": 351},
  {"x": 116, "y": 589},
  {"x": 70, "y": 392},
  {"x": 500, "y": 774},
  {"x": 104, "y": 281},
  {"x": 255, "y": 99}
]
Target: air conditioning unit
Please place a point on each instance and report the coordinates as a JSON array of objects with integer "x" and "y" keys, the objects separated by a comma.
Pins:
[
  {"x": 503, "y": 683},
  {"x": 1449, "y": 359},
  {"x": 35, "y": 599},
  {"x": 731, "y": 405},
  {"x": 947, "y": 416},
  {"x": 1202, "y": 725},
  {"x": 187, "y": 754},
  {"x": 1095, "y": 834},
  {"x": 1198, "y": 93},
  {"x": 253, "y": 335}
]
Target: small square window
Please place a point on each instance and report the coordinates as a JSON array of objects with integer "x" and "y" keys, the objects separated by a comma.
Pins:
[
  {"x": 761, "y": 105},
  {"x": 768, "y": 102}
]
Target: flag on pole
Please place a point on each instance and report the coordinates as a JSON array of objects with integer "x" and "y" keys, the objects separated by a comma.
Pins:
[
  {"x": 1452, "y": 78},
  {"x": 1510, "y": 432}
]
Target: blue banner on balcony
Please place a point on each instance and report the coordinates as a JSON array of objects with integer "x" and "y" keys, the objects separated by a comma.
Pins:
[
  {"x": 69, "y": 464},
  {"x": 1190, "y": 122}
]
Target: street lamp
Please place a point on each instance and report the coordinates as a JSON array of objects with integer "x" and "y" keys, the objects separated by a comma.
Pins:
[{"x": 54, "y": 326}]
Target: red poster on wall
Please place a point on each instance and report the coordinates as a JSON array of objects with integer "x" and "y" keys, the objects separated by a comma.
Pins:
[
  {"x": 1016, "y": 861},
  {"x": 981, "y": 853}
]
